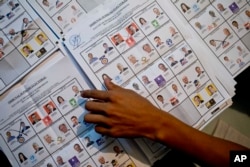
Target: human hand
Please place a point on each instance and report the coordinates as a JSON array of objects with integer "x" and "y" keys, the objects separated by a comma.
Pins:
[{"x": 120, "y": 112}]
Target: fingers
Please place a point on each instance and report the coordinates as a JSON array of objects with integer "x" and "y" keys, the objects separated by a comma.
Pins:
[
  {"x": 106, "y": 130},
  {"x": 96, "y": 106},
  {"x": 99, "y": 94},
  {"x": 102, "y": 130},
  {"x": 95, "y": 118},
  {"x": 96, "y": 94},
  {"x": 110, "y": 85}
]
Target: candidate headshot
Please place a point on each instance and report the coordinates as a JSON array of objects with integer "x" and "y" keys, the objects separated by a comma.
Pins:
[
  {"x": 184, "y": 7},
  {"x": 186, "y": 81},
  {"x": 235, "y": 24},
  {"x": 172, "y": 31},
  {"x": 34, "y": 118},
  {"x": 60, "y": 100},
  {"x": 220, "y": 7},
  {"x": 41, "y": 38},
  {"x": 118, "y": 39},
  {"x": 48, "y": 139},
  {"x": 91, "y": 58},
  {"x": 63, "y": 128},
  {"x": 147, "y": 48},
  {"x": 60, "y": 160},
  {"x": 121, "y": 68},
  {"x": 145, "y": 80},
  {"x": 36, "y": 147},
  {"x": 46, "y": 3},
  {"x": 211, "y": 89},
  {"x": 135, "y": 86},
  {"x": 75, "y": 121},
  {"x": 226, "y": 32},
  {"x": 157, "y": 12},
  {"x": 172, "y": 61},
  {"x": 22, "y": 157},
  {"x": 88, "y": 141},
  {"x": 174, "y": 88},
  {"x": 132, "y": 29},
  {"x": 197, "y": 100},
  {"x": 117, "y": 150},
  {"x": 132, "y": 59},
  {"x": 23, "y": 126},
  {"x": 27, "y": 50},
  {"x": 77, "y": 148},
  {"x": 142, "y": 21},
  {"x": 49, "y": 107},
  {"x": 160, "y": 99},
  {"x": 158, "y": 41},
  {"x": 212, "y": 42},
  {"x": 106, "y": 48},
  {"x": 162, "y": 67}
]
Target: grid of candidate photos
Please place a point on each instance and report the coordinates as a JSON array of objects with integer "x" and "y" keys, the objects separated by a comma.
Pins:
[
  {"x": 46, "y": 132},
  {"x": 149, "y": 55},
  {"x": 23, "y": 43},
  {"x": 224, "y": 26}
]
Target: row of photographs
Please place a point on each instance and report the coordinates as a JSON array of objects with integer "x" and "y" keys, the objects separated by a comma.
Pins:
[
  {"x": 92, "y": 149},
  {"x": 107, "y": 49},
  {"x": 224, "y": 27},
  {"x": 63, "y": 15},
  {"x": 50, "y": 109},
  {"x": 208, "y": 20},
  {"x": 191, "y": 8}
]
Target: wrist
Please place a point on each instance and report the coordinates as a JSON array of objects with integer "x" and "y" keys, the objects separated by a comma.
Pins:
[
  {"x": 169, "y": 130},
  {"x": 160, "y": 127}
]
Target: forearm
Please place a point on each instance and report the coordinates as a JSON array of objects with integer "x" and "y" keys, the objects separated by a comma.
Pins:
[{"x": 194, "y": 143}]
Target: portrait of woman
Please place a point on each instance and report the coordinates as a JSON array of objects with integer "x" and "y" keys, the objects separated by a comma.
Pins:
[
  {"x": 22, "y": 157},
  {"x": 184, "y": 7},
  {"x": 142, "y": 21}
]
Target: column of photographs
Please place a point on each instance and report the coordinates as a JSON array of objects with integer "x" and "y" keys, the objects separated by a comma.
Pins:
[
  {"x": 148, "y": 54},
  {"x": 23, "y": 43},
  {"x": 50, "y": 130},
  {"x": 62, "y": 15},
  {"x": 224, "y": 26}
]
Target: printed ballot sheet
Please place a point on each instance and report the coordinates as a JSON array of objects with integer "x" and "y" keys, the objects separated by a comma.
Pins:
[
  {"x": 44, "y": 125},
  {"x": 180, "y": 55},
  {"x": 62, "y": 15},
  {"x": 224, "y": 27},
  {"x": 25, "y": 41},
  {"x": 139, "y": 46}
]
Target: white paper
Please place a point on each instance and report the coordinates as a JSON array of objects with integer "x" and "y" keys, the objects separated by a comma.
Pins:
[
  {"x": 224, "y": 27},
  {"x": 130, "y": 66},
  {"x": 61, "y": 130},
  {"x": 25, "y": 41}
]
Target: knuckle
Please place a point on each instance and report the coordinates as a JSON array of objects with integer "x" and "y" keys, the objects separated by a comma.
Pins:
[{"x": 114, "y": 132}]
